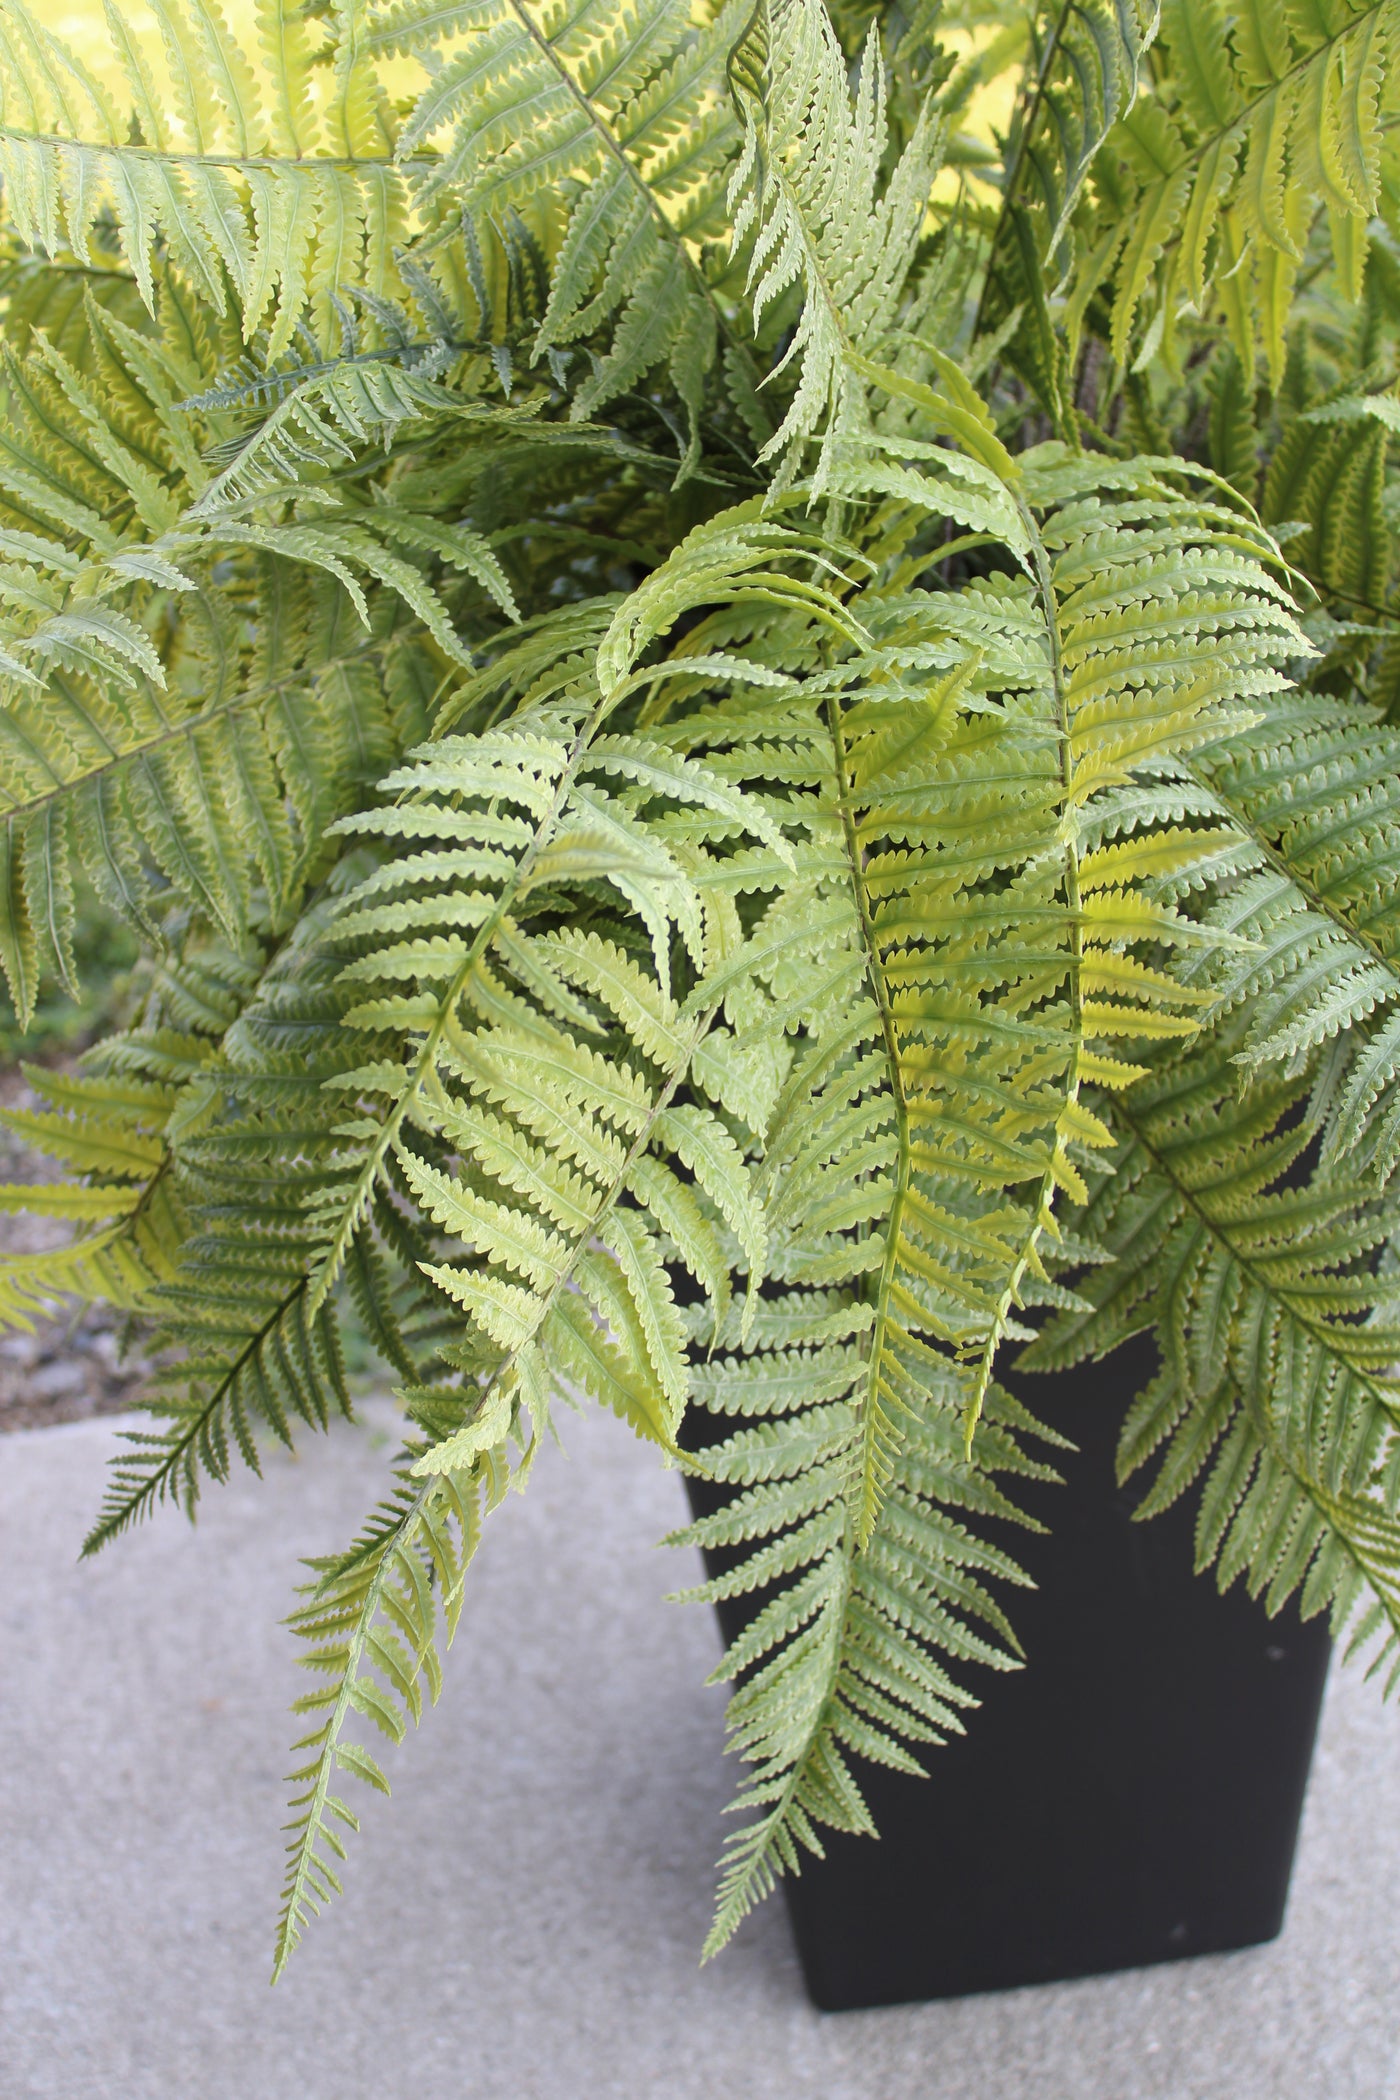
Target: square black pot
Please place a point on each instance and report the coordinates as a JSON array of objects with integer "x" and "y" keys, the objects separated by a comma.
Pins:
[{"x": 1131, "y": 1796}]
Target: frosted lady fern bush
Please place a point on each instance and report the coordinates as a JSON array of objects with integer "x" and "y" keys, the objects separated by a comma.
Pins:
[{"x": 753, "y": 738}]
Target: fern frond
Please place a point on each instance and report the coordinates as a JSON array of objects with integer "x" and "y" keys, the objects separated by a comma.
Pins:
[
  {"x": 848, "y": 1657},
  {"x": 623, "y": 112},
  {"x": 239, "y": 1352},
  {"x": 373, "y": 1619},
  {"x": 530, "y": 1112},
  {"x": 244, "y": 188},
  {"x": 1328, "y": 473},
  {"x": 1087, "y": 77},
  {"x": 1278, "y": 1386},
  {"x": 975, "y": 970},
  {"x": 1079, "y": 85},
  {"x": 804, "y": 147},
  {"x": 1314, "y": 792},
  {"x": 126, "y": 1205},
  {"x": 1213, "y": 188}
]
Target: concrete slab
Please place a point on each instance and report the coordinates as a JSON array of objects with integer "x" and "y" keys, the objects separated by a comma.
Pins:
[{"x": 522, "y": 1921}]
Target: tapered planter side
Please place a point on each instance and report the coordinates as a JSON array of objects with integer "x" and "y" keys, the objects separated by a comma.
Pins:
[{"x": 1131, "y": 1796}]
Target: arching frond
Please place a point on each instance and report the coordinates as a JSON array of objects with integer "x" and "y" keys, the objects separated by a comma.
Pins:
[
  {"x": 622, "y": 110},
  {"x": 230, "y": 165},
  {"x": 1314, "y": 790},
  {"x": 977, "y": 975},
  {"x": 372, "y": 1618},
  {"x": 1277, "y": 1385},
  {"x": 1210, "y": 188},
  {"x": 239, "y": 1352},
  {"x": 805, "y": 146}
]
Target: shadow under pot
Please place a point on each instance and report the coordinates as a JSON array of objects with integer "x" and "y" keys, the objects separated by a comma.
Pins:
[{"x": 1131, "y": 1796}]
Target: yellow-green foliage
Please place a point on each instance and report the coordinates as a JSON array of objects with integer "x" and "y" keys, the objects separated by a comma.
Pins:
[{"x": 729, "y": 806}]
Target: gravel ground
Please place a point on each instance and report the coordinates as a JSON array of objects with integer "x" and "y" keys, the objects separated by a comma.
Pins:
[{"x": 72, "y": 1364}]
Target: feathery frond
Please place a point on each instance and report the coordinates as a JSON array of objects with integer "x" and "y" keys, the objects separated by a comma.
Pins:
[
  {"x": 1278, "y": 1338},
  {"x": 1314, "y": 791},
  {"x": 232, "y": 166},
  {"x": 805, "y": 146},
  {"x": 666, "y": 647},
  {"x": 621, "y": 111},
  {"x": 973, "y": 977},
  {"x": 1209, "y": 190}
]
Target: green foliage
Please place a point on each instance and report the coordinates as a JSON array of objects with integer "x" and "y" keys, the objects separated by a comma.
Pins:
[
  {"x": 1315, "y": 795},
  {"x": 1277, "y": 1340},
  {"x": 629, "y": 127},
  {"x": 371, "y": 1622},
  {"x": 803, "y": 145},
  {"x": 972, "y": 975},
  {"x": 129, "y": 1213},
  {"x": 1209, "y": 186},
  {"x": 726, "y": 803},
  {"x": 261, "y": 196},
  {"x": 105, "y": 955}
]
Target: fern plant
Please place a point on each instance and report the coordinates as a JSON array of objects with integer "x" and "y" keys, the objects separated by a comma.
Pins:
[{"x": 751, "y": 738}]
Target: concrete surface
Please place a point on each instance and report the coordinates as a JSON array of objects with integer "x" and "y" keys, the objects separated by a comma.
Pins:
[{"x": 521, "y": 1922}]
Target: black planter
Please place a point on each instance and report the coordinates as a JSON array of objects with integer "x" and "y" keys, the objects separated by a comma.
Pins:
[{"x": 1131, "y": 1796}]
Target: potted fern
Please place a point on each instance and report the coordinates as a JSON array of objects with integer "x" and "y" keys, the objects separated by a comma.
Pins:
[{"x": 736, "y": 666}]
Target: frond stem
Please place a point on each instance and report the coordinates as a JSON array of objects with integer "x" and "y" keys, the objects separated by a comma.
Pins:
[
  {"x": 613, "y": 147},
  {"x": 236, "y": 163},
  {"x": 1043, "y": 1220},
  {"x": 874, "y": 1419},
  {"x": 1011, "y": 186},
  {"x": 1323, "y": 1332},
  {"x": 158, "y": 1483}
]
